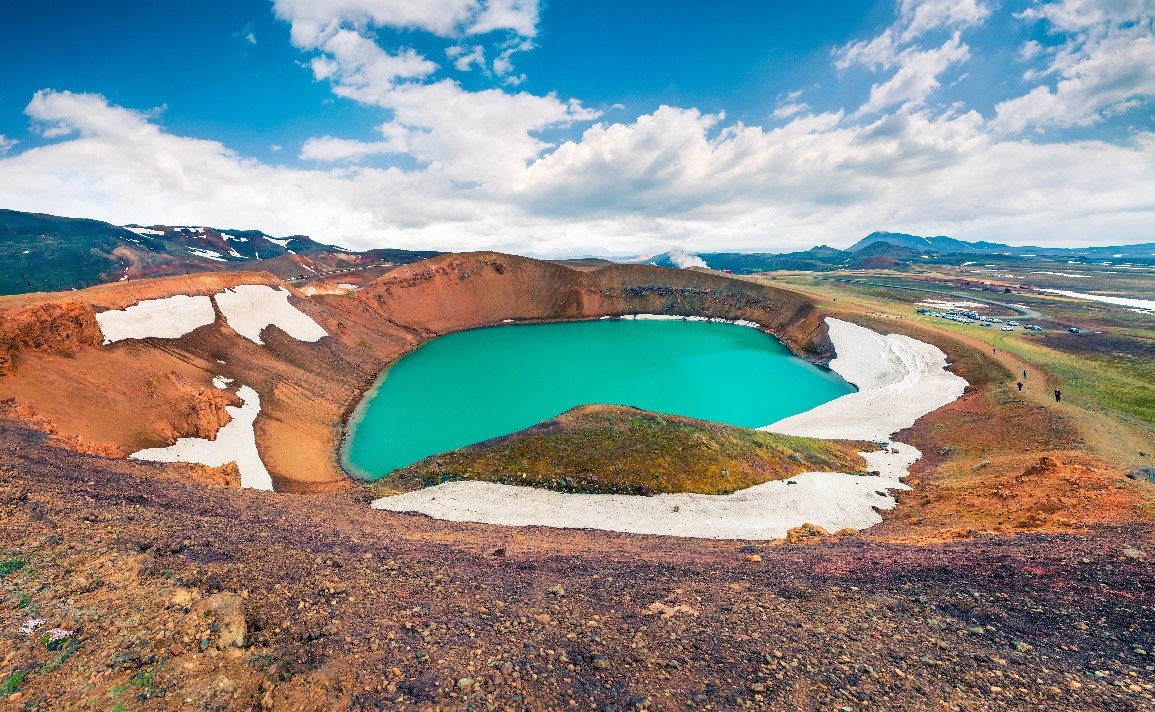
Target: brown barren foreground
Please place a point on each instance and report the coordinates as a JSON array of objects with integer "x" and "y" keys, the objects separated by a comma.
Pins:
[
  {"x": 1015, "y": 575},
  {"x": 349, "y": 608}
]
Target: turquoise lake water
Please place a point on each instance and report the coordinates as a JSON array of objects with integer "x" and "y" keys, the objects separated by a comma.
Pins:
[{"x": 474, "y": 385}]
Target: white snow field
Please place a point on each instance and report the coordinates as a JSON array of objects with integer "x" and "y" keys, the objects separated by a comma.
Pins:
[
  {"x": 250, "y": 308},
  {"x": 1118, "y": 301},
  {"x": 168, "y": 318},
  {"x": 236, "y": 442},
  {"x": 899, "y": 380}
]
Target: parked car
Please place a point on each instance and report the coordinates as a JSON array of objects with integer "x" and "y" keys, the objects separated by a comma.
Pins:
[{"x": 1008, "y": 328}]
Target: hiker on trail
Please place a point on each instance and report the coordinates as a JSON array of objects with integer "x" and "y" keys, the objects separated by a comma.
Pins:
[
  {"x": 1024, "y": 375},
  {"x": 1020, "y": 385},
  {"x": 1058, "y": 395}
]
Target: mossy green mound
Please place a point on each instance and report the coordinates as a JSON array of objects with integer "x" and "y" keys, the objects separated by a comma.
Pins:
[{"x": 615, "y": 449}]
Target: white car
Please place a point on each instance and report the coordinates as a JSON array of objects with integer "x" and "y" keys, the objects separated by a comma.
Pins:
[{"x": 1008, "y": 328}]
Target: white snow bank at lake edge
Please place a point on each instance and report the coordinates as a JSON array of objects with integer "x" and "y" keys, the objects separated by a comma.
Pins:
[
  {"x": 168, "y": 318},
  {"x": 675, "y": 317},
  {"x": 236, "y": 442},
  {"x": 899, "y": 380},
  {"x": 767, "y": 511}
]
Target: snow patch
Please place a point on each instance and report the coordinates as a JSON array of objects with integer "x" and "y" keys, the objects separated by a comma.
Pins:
[
  {"x": 144, "y": 231},
  {"x": 763, "y": 512},
  {"x": 236, "y": 442},
  {"x": 899, "y": 380},
  {"x": 1118, "y": 301},
  {"x": 168, "y": 318},
  {"x": 675, "y": 317},
  {"x": 207, "y": 254},
  {"x": 250, "y": 308}
]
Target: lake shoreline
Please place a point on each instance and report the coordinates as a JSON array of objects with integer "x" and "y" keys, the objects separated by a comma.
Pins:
[
  {"x": 899, "y": 379},
  {"x": 428, "y": 403}
]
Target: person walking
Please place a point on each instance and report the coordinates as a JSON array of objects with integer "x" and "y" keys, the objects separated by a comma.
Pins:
[
  {"x": 1024, "y": 375},
  {"x": 1020, "y": 385},
  {"x": 1058, "y": 395}
]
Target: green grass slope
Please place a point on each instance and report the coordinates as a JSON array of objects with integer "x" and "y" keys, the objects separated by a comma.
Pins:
[{"x": 600, "y": 448}]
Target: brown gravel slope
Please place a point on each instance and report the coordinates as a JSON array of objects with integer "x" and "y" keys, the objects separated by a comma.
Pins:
[{"x": 342, "y": 607}]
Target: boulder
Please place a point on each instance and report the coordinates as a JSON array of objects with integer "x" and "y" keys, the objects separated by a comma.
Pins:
[{"x": 226, "y": 614}]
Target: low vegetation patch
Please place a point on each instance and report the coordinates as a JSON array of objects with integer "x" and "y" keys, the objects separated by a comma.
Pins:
[{"x": 616, "y": 449}]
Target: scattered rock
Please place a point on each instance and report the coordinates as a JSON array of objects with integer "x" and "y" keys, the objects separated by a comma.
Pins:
[
  {"x": 666, "y": 612},
  {"x": 144, "y": 565},
  {"x": 466, "y": 683},
  {"x": 1134, "y": 554},
  {"x": 600, "y": 663},
  {"x": 333, "y": 588},
  {"x": 227, "y": 613},
  {"x": 755, "y": 558},
  {"x": 183, "y": 598},
  {"x": 557, "y": 590},
  {"x": 805, "y": 532},
  {"x": 1022, "y": 647}
]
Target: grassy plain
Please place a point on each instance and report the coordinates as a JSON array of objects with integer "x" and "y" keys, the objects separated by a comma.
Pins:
[{"x": 1001, "y": 459}]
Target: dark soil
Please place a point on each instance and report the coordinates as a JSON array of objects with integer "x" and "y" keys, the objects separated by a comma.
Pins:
[{"x": 350, "y": 608}]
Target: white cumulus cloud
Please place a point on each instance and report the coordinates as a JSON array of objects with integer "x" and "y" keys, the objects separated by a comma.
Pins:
[
  {"x": 1105, "y": 65},
  {"x": 482, "y": 175}
]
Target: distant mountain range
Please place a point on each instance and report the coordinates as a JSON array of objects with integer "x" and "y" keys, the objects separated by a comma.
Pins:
[
  {"x": 50, "y": 253},
  {"x": 895, "y": 250},
  {"x": 941, "y": 243}
]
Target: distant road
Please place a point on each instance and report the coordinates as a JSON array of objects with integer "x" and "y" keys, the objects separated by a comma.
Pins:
[
  {"x": 307, "y": 277},
  {"x": 1023, "y": 312}
]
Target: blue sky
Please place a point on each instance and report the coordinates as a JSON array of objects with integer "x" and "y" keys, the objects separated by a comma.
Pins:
[{"x": 559, "y": 128}]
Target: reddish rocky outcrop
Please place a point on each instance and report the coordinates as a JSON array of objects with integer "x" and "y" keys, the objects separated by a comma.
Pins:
[{"x": 57, "y": 328}]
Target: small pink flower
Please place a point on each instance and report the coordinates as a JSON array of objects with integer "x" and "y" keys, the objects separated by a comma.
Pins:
[
  {"x": 58, "y": 634},
  {"x": 31, "y": 625}
]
